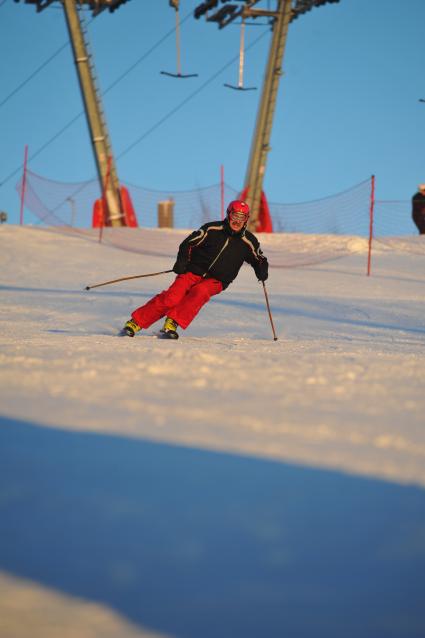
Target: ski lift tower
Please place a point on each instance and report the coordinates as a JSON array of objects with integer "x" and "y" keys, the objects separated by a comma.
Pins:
[
  {"x": 281, "y": 16},
  {"x": 113, "y": 213}
]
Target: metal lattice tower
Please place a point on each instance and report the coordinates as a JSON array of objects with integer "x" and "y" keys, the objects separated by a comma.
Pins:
[
  {"x": 260, "y": 145},
  {"x": 99, "y": 135},
  {"x": 285, "y": 11}
]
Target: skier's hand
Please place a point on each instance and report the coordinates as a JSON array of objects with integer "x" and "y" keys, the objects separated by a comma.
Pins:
[
  {"x": 262, "y": 270},
  {"x": 179, "y": 267}
]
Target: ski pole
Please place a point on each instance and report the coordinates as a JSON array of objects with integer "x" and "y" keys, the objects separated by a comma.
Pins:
[
  {"x": 114, "y": 281},
  {"x": 268, "y": 310}
]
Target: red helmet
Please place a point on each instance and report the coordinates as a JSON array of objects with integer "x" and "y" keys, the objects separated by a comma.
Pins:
[{"x": 238, "y": 210}]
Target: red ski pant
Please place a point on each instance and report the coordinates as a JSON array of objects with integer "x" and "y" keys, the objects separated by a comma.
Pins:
[{"x": 181, "y": 301}]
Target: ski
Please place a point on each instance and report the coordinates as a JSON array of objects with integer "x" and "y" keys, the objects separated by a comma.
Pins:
[
  {"x": 162, "y": 334},
  {"x": 168, "y": 334}
]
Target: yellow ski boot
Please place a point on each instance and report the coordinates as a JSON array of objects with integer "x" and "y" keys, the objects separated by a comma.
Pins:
[
  {"x": 169, "y": 329},
  {"x": 130, "y": 328}
]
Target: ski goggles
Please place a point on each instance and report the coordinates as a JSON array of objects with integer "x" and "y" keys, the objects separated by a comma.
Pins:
[{"x": 238, "y": 217}]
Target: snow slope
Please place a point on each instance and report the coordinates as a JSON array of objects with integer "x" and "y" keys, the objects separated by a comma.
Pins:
[{"x": 333, "y": 410}]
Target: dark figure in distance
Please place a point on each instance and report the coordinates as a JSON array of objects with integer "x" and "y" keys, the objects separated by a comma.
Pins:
[{"x": 418, "y": 209}]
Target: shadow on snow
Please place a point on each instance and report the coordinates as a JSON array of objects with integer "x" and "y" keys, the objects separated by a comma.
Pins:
[{"x": 196, "y": 543}]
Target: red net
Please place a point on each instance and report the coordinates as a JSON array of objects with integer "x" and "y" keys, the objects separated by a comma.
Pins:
[
  {"x": 341, "y": 221},
  {"x": 59, "y": 203},
  {"x": 393, "y": 222}
]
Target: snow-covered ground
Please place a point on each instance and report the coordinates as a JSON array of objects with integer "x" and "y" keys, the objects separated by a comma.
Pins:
[{"x": 224, "y": 484}]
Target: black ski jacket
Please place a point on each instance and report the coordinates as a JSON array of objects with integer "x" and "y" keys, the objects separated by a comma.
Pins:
[
  {"x": 216, "y": 251},
  {"x": 418, "y": 211},
  {"x": 418, "y": 203}
]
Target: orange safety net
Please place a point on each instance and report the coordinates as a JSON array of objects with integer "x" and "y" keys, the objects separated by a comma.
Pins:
[
  {"x": 338, "y": 219},
  {"x": 59, "y": 203}
]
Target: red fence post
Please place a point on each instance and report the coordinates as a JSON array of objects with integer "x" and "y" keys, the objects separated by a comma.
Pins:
[
  {"x": 24, "y": 184},
  {"x": 372, "y": 205}
]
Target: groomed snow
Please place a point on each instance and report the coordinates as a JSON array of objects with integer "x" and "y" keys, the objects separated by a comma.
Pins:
[
  {"x": 341, "y": 391},
  {"x": 342, "y": 387}
]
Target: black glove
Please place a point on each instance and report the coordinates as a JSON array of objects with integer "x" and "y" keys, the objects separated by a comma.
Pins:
[
  {"x": 179, "y": 267},
  {"x": 262, "y": 270}
]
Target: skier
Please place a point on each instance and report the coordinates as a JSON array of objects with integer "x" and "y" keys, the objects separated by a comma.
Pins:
[
  {"x": 208, "y": 260},
  {"x": 418, "y": 209}
]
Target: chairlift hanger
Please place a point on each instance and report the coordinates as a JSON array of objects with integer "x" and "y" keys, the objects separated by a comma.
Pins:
[
  {"x": 240, "y": 86},
  {"x": 179, "y": 74}
]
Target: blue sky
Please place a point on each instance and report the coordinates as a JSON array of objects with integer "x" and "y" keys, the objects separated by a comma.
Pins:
[{"x": 348, "y": 104}]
